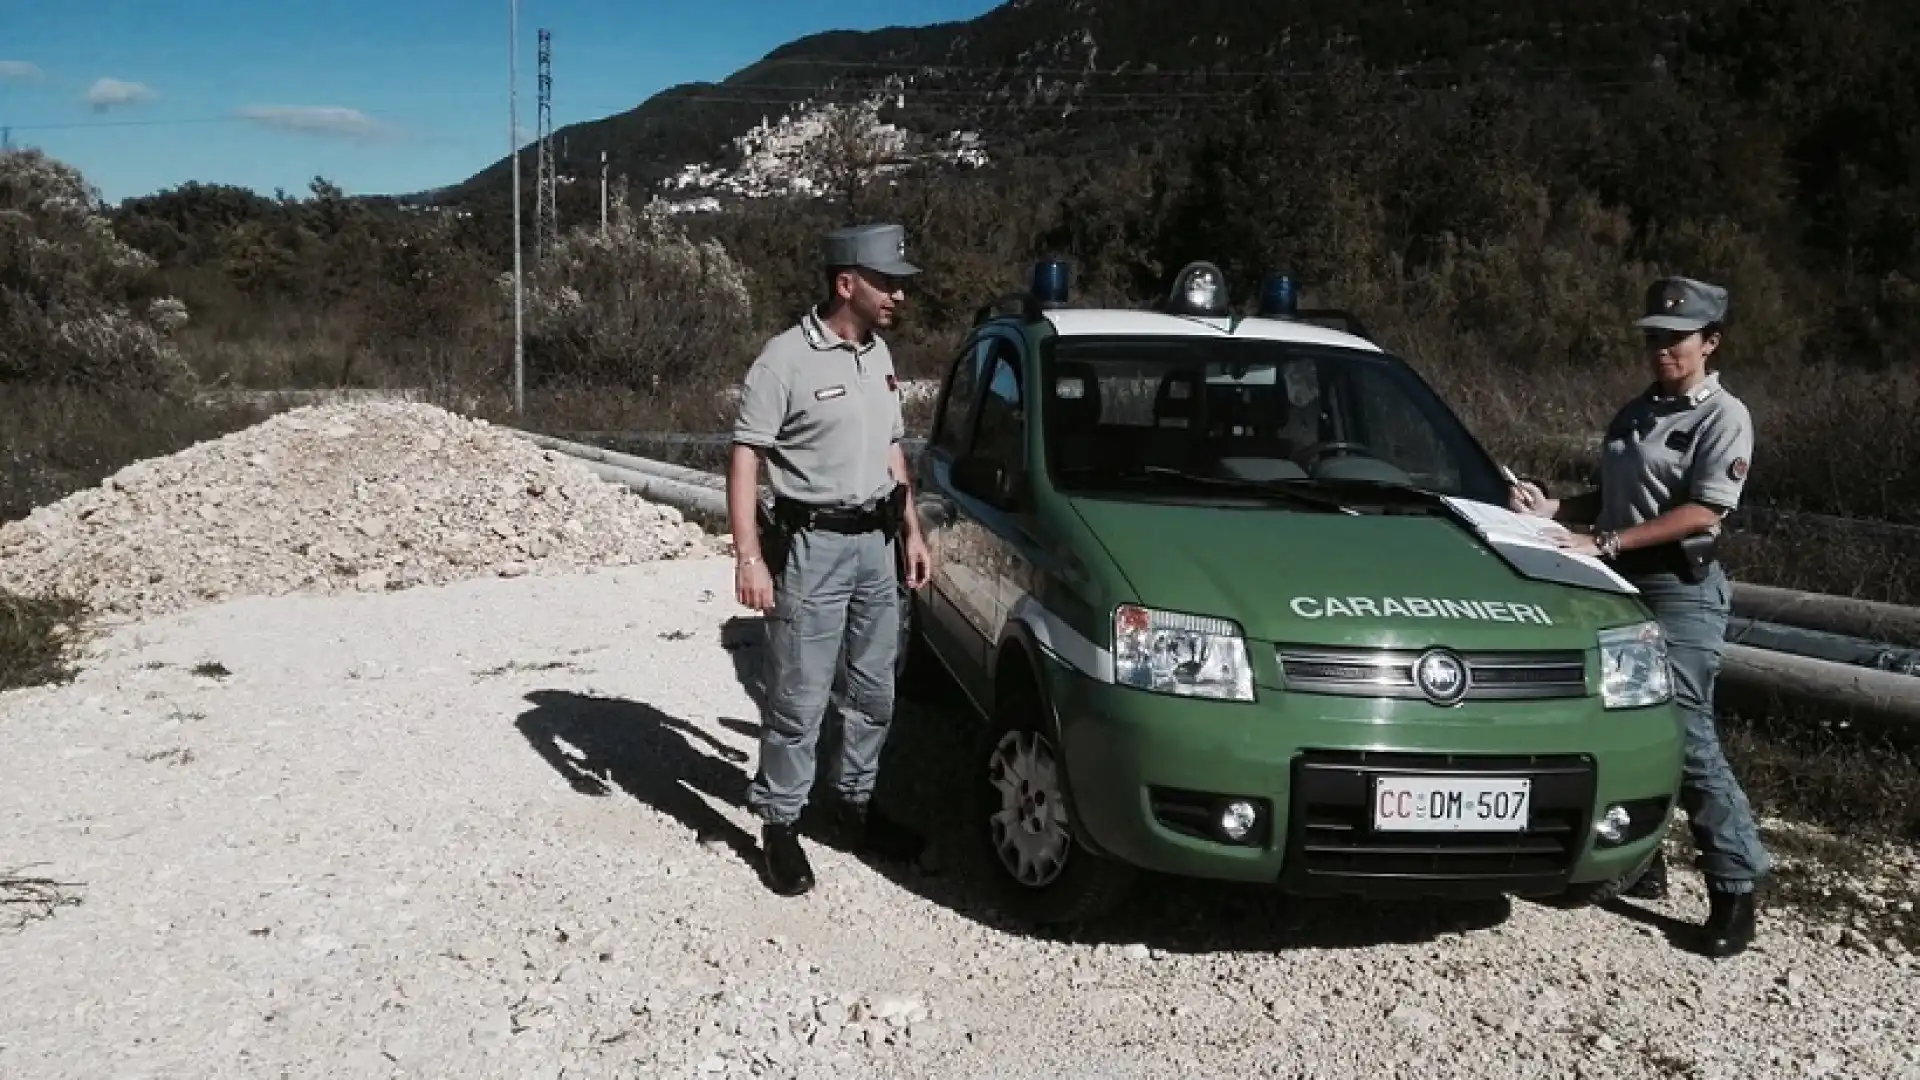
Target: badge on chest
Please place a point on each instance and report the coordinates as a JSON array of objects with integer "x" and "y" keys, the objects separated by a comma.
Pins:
[
  {"x": 1679, "y": 439},
  {"x": 828, "y": 393}
]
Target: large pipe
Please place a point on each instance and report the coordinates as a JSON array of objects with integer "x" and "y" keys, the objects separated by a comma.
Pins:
[
  {"x": 1881, "y": 694},
  {"x": 680, "y": 473},
  {"x": 1868, "y": 620}
]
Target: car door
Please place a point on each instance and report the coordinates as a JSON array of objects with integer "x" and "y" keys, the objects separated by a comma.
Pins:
[
  {"x": 998, "y": 538},
  {"x": 948, "y": 606}
]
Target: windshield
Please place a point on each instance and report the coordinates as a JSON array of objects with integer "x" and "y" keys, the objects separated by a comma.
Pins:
[{"x": 1137, "y": 417}]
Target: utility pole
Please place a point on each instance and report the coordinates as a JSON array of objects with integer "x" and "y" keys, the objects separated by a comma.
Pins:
[
  {"x": 513, "y": 151},
  {"x": 603, "y": 191},
  {"x": 546, "y": 198}
]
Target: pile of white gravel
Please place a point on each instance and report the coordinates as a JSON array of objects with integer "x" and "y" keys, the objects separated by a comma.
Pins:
[
  {"x": 360, "y": 497},
  {"x": 494, "y": 829}
]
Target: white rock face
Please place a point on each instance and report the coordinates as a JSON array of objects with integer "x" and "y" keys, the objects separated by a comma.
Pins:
[{"x": 359, "y": 497}]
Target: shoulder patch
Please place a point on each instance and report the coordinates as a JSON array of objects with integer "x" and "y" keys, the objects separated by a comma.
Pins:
[{"x": 1737, "y": 469}]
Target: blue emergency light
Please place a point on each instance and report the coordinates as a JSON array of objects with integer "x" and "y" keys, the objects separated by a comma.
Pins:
[
  {"x": 1050, "y": 282},
  {"x": 1279, "y": 297}
]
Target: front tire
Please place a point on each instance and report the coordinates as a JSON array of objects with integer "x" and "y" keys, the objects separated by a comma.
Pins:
[
  {"x": 1598, "y": 893},
  {"x": 1024, "y": 820}
]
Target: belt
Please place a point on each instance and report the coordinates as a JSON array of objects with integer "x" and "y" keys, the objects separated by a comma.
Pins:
[
  {"x": 1665, "y": 559},
  {"x": 797, "y": 516}
]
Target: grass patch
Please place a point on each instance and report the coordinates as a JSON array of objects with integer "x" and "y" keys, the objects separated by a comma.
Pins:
[
  {"x": 35, "y": 632},
  {"x": 56, "y": 441}
]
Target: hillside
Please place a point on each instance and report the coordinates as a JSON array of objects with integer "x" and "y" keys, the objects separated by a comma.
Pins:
[{"x": 1070, "y": 76}]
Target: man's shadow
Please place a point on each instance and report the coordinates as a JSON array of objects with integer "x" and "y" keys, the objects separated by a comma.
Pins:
[{"x": 600, "y": 744}]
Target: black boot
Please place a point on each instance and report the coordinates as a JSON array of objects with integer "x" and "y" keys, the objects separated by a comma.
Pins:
[
  {"x": 787, "y": 870},
  {"x": 872, "y": 831},
  {"x": 1652, "y": 882},
  {"x": 1730, "y": 919}
]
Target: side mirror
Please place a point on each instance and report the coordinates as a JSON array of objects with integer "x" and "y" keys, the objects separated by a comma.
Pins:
[{"x": 983, "y": 479}]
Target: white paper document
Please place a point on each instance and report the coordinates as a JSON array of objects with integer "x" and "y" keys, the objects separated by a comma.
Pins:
[{"x": 1529, "y": 543}]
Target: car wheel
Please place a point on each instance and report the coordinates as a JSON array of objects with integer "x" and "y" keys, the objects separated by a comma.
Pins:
[
  {"x": 1025, "y": 817},
  {"x": 1596, "y": 893}
]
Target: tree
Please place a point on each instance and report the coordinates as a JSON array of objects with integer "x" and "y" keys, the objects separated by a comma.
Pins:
[{"x": 77, "y": 305}]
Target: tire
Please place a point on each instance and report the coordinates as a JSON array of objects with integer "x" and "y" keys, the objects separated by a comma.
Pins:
[
  {"x": 1596, "y": 893},
  {"x": 1043, "y": 874}
]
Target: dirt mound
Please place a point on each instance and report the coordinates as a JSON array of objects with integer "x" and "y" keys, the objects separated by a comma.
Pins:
[{"x": 345, "y": 497}]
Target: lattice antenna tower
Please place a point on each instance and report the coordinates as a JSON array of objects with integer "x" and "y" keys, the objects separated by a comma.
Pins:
[{"x": 546, "y": 212}]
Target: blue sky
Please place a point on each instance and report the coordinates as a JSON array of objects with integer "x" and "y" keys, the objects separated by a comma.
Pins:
[{"x": 375, "y": 95}]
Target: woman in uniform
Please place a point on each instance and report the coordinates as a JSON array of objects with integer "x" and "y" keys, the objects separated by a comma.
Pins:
[{"x": 1673, "y": 464}]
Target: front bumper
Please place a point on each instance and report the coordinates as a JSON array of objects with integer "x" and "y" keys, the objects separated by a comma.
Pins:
[{"x": 1148, "y": 774}]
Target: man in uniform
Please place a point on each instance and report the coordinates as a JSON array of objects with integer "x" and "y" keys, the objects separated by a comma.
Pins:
[{"x": 821, "y": 408}]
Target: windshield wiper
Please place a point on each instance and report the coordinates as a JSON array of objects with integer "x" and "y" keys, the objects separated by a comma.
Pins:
[
  {"x": 1255, "y": 487},
  {"x": 1399, "y": 492}
]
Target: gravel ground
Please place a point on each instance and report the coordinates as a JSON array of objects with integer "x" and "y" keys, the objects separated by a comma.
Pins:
[{"x": 491, "y": 829}]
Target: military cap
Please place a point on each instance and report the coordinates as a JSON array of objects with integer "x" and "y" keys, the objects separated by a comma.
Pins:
[
  {"x": 1678, "y": 303},
  {"x": 880, "y": 247}
]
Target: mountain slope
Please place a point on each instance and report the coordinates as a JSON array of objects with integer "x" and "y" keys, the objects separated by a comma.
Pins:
[{"x": 1043, "y": 75}]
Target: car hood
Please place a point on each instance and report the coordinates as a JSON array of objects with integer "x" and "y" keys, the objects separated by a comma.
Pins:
[{"x": 1399, "y": 580}]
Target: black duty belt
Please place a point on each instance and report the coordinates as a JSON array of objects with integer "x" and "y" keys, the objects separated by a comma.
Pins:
[
  {"x": 796, "y": 516},
  {"x": 1690, "y": 559}
]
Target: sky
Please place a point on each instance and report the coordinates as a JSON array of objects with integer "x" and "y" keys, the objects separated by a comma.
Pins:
[{"x": 377, "y": 96}]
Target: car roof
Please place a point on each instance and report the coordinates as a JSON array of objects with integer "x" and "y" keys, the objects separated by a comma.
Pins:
[{"x": 1101, "y": 322}]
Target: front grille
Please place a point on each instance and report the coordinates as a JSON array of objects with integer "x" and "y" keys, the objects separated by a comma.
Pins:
[
  {"x": 1333, "y": 848},
  {"x": 1388, "y": 673}
]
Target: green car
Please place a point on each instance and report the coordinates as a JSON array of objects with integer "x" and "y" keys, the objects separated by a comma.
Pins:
[{"x": 1238, "y": 598}]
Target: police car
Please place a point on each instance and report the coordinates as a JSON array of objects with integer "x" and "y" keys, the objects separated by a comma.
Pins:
[{"x": 1237, "y": 597}]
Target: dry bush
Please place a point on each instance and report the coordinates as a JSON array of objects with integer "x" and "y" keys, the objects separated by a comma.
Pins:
[
  {"x": 35, "y": 633},
  {"x": 74, "y": 301},
  {"x": 25, "y": 898},
  {"x": 641, "y": 306}
]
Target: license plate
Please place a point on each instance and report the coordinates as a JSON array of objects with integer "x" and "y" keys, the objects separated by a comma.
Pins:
[{"x": 1451, "y": 803}]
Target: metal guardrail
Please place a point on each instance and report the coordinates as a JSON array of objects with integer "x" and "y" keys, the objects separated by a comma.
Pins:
[{"x": 1857, "y": 655}]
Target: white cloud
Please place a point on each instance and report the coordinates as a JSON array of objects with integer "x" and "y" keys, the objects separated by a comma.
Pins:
[
  {"x": 108, "y": 93},
  {"x": 317, "y": 120},
  {"x": 22, "y": 70}
]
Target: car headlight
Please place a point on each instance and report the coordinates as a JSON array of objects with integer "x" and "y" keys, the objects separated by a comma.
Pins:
[
  {"x": 1633, "y": 667},
  {"x": 1187, "y": 655}
]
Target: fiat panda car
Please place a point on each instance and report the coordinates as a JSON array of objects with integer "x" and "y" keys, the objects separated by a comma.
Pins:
[{"x": 1236, "y": 596}]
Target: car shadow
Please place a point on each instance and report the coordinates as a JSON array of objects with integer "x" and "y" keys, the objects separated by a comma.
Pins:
[{"x": 1680, "y": 935}]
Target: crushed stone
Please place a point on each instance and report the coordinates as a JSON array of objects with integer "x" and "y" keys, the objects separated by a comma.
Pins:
[
  {"x": 495, "y": 829},
  {"x": 343, "y": 497}
]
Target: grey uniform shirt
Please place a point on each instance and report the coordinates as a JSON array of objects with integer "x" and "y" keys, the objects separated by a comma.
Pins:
[
  {"x": 826, "y": 411},
  {"x": 1661, "y": 451}
]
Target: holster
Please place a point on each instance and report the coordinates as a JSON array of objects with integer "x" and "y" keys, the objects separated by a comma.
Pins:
[
  {"x": 1690, "y": 559},
  {"x": 774, "y": 539},
  {"x": 895, "y": 512},
  {"x": 1697, "y": 554}
]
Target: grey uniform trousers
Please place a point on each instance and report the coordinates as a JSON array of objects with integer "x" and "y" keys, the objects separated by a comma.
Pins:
[
  {"x": 1694, "y": 616},
  {"x": 836, "y": 597}
]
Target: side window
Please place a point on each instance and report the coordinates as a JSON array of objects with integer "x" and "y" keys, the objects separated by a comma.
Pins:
[
  {"x": 956, "y": 419},
  {"x": 1002, "y": 418}
]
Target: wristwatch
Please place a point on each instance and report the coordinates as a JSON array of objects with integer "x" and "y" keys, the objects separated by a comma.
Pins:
[
  {"x": 1608, "y": 544},
  {"x": 747, "y": 561}
]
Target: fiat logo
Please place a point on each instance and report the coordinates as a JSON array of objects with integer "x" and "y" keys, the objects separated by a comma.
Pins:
[{"x": 1441, "y": 676}]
